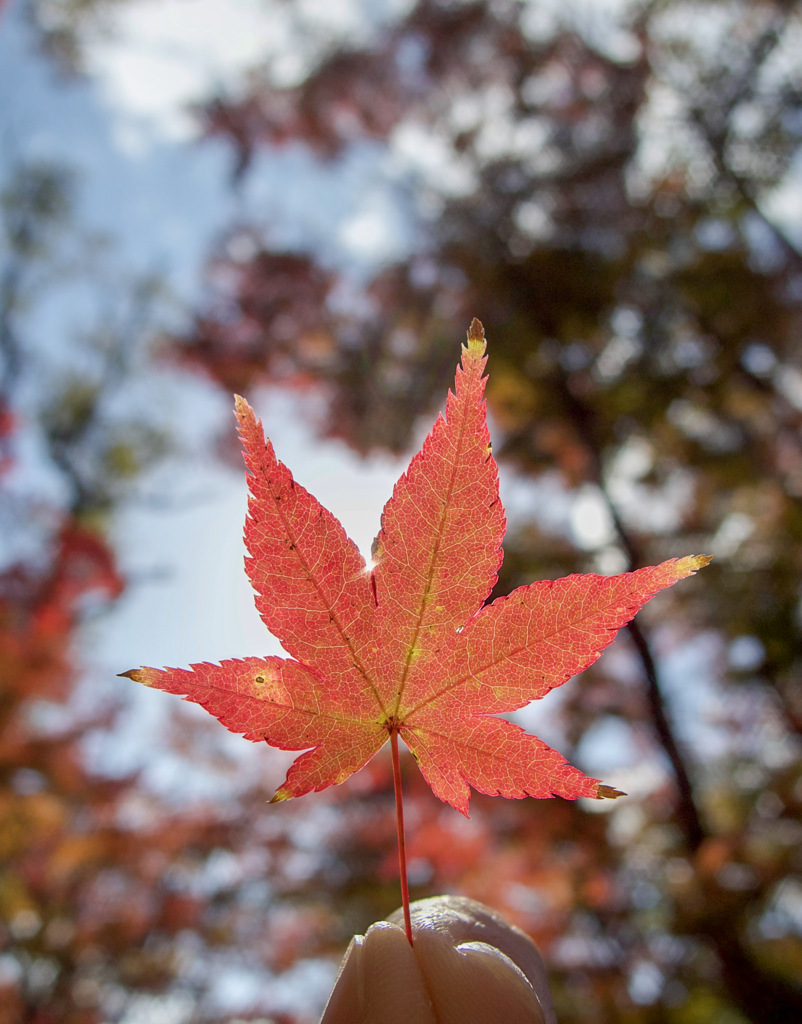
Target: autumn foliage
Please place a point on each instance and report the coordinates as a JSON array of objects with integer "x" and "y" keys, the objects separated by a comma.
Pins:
[{"x": 614, "y": 202}]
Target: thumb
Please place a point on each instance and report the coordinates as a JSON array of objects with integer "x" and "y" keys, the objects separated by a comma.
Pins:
[{"x": 467, "y": 966}]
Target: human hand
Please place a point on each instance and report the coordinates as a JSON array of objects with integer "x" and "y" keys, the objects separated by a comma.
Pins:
[{"x": 467, "y": 966}]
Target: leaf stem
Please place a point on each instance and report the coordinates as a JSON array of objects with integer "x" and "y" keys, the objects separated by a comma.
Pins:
[{"x": 402, "y": 845}]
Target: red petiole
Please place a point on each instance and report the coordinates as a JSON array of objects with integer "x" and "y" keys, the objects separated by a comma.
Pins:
[{"x": 402, "y": 846}]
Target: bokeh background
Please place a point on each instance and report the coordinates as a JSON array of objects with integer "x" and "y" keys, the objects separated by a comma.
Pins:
[{"x": 306, "y": 201}]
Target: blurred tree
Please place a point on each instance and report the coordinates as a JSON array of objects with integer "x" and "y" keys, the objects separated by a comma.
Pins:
[
  {"x": 62, "y": 841},
  {"x": 608, "y": 201},
  {"x": 109, "y": 895}
]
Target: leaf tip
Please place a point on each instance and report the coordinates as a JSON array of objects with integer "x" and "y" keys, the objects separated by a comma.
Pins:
[
  {"x": 133, "y": 673},
  {"x": 280, "y": 796},
  {"x": 608, "y": 793},
  {"x": 241, "y": 408},
  {"x": 692, "y": 563},
  {"x": 476, "y": 337}
]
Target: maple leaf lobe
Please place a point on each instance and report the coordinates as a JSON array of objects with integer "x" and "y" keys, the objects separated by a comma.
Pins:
[
  {"x": 312, "y": 585},
  {"x": 439, "y": 547}
]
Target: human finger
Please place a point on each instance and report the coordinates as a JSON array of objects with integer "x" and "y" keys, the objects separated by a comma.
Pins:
[{"x": 466, "y": 965}]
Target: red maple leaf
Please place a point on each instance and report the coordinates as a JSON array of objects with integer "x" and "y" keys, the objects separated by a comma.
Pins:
[{"x": 407, "y": 647}]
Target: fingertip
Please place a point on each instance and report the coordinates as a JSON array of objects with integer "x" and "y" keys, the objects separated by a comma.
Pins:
[
  {"x": 474, "y": 981},
  {"x": 379, "y": 980}
]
